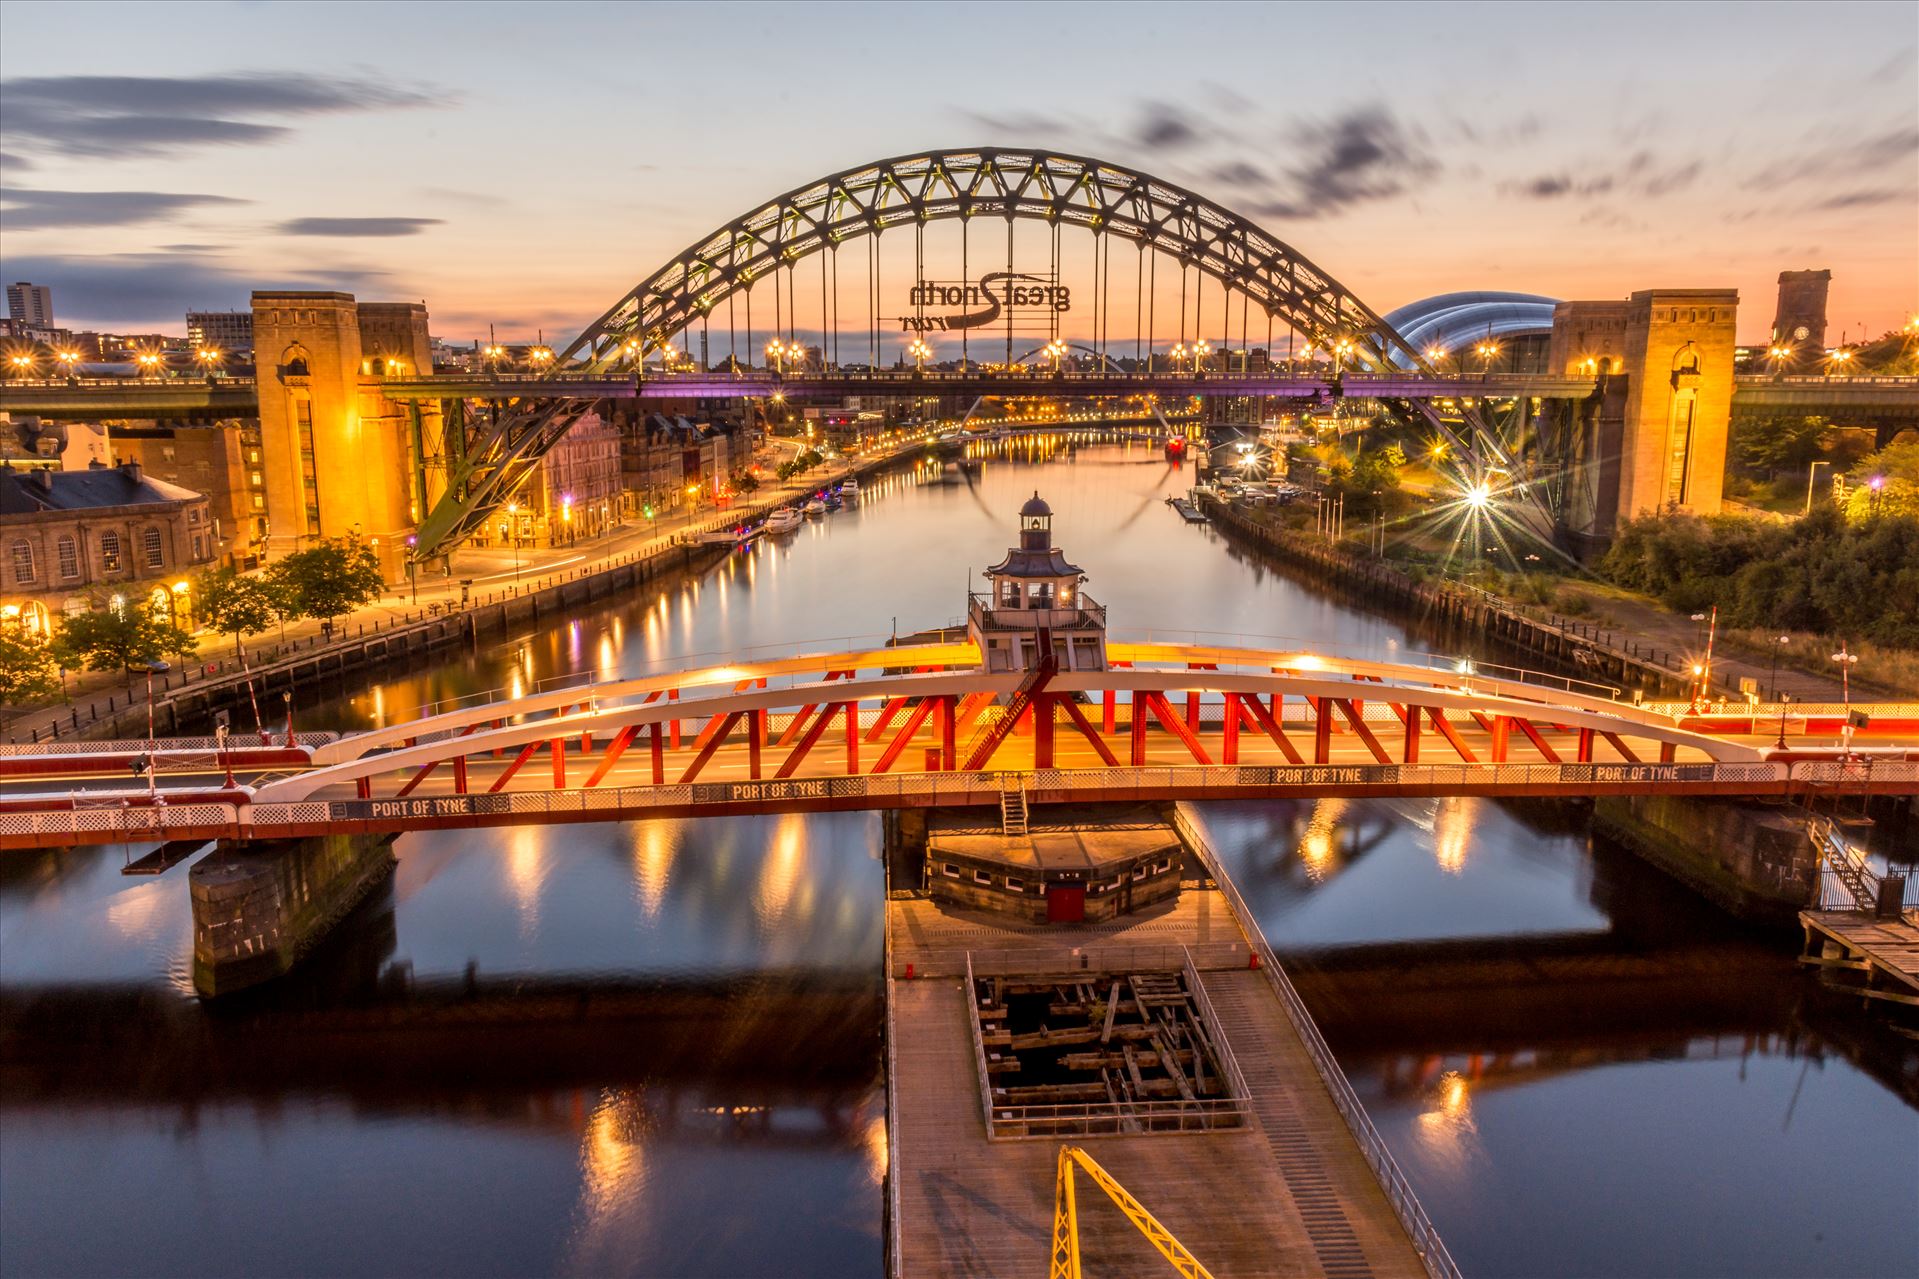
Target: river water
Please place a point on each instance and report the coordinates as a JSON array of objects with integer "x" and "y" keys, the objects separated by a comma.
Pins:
[{"x": 654, "y": 1049}]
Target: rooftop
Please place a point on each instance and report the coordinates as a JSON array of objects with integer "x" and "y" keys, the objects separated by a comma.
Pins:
[{"x": 38, "y": 491}]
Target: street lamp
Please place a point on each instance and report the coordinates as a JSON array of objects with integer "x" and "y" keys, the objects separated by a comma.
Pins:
[
  {"x": 513, "y": 535},
  {"x": 1201, "y": 349},
  {"x": 1838, "y": 359},
  {"x": 1486, "y": 351},
  {"x": 1178, "y": 353},
  {"x": 1341, "y": 349},
  {"x": 494, "y": 354},
  {"x": 207, "y": 357},
  {"x": 67, "y": 360},
  {"x": 919, "y": 351},
  {"x": 1778, "y": 643},
  {"x": 541, "y": 356},
  {"x": 775, "y": 355},
  {"x": 1055, "y": 350},
  {"x": 1811, "y": 472},
  {"x": 21, "y": 364},
  {"x": 149, "y": 362},
  {"x": 1847, "y": 660}
]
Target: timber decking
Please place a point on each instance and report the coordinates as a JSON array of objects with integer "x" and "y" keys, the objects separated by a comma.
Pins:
[
  {"x": 1885, "y": 950},
  {"x": 1289, "y": 1196}
]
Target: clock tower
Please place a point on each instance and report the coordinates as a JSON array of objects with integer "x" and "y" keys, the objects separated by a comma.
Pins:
[{"x": 1800, "y": 322}]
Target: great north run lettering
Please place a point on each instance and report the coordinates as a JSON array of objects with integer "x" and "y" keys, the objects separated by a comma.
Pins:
[{"x": 996, "y": 293}]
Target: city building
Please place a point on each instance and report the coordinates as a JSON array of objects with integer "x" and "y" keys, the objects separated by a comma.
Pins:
[
  {"x": 1799, "y": 323},
  {"x": 577, "y": 490},
  {"x": 223, "y": 462},
  {"x": 76, "y": 540},
  {"x": 30, "y": 306},
  {"x": 1449, "y": 330},
  {"x": 223, "y": 331}
]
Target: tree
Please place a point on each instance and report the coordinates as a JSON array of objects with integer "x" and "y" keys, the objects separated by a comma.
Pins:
[
  {"x": 1769, "y": 444},
  {"x": 1886, "y": 482},
  {"x": 127, "y": 638},
  {"x": 330, "y": 578},
  {"x": 26, "y": 669},
  {"x": 746, "y": 483},
  {"x": 235, "y": 604}
]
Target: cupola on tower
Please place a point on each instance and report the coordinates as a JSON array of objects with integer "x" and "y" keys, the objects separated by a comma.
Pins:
[{"x": 1033, "y": 604}]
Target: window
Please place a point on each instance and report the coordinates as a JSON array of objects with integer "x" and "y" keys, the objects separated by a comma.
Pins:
[
  {"x": 22, "y": 556},
  {"x": 253, "y": 457},
  {"x": 1015, "y": 884},
  {"x": 68, "y": 552},
  {"x": 1164, "y": 864},
  {"x": 981, "y": 877},
  {"x": 949, "y": 870},
  {"x": 1139, "y": 871},
  {"x": 166, "y": 452},
  {"x": 193, "y": 515},
  {"x": 259, "y": 502},
  {"x": 256, "y": 479},
  {"x": 199, "y": 547},
  {"x": 110, "y": 552},
  {"x": 150, "y": 544}
]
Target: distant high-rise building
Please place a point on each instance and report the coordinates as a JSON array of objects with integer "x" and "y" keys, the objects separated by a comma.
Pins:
[
  {"x": 227, "y": 331},
  {"x": 30, "y": 305}
]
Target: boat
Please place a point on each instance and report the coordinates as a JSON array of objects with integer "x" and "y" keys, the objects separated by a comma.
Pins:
[
  {"x": 816, "y": 508},
  {"x": 784, "y": 520},
  {"x": 1187, "y": 511},
  {"x": 850, "y": 491},
  {"x": 737, "y": 535},
  {"x": 832, "y": 500}
]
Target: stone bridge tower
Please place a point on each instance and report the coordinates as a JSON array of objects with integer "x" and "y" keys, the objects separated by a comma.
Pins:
[
  {"x": 341, "y": 460},
  {"x": 1654, "y": 438}
]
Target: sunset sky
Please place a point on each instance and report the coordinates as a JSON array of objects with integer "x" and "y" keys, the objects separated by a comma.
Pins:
[{"x": 523, "y": 165}]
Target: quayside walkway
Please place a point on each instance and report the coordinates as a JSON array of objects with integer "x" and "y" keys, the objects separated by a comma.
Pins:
[{"x": 1293, "y": 1183}]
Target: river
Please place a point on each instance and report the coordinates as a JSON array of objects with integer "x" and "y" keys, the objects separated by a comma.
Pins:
[{"x": 654, "y": 1049}]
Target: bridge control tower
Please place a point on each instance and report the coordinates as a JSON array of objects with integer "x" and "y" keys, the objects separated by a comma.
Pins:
[{"x": 1033, "y": 599}]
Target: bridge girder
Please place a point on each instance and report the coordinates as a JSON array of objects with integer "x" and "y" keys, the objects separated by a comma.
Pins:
[{"x": 985, "y": 182}]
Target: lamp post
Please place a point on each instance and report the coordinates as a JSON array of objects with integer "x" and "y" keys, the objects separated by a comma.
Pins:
[
  {"x": 21, "y": 364},
  {"x": 149, "y": 362},
  {"x": 209, "y": 360},
  {"x": 1778, "y": 643},
  {"x": 1784, "y": 700},
  {"x": 513, "y": 535},
  {"x": 919, "y": 351},
  {"x": 1486, "y": 351},
  {"x": 67, "y": 360},
  {"x": 1201, "y": 349},
  {"x": 1811, "y": 472}
]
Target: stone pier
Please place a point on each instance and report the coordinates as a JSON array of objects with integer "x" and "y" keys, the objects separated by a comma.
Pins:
[
  {"x": 259, "y": 907},
  {"x": 1750, "y": 859}
]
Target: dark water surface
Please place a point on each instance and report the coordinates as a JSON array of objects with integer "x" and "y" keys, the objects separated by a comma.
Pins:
[{"x": 654, "y": 1049}]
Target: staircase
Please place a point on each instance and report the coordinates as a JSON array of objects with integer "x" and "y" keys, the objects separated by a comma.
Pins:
[
  {"x": 993, "y": 731},
  {"x": 1845, "y": 862},
  {"x": 1012, "y": 810}
]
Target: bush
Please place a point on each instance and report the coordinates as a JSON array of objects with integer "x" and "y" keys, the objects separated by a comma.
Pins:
[{"x": 1820, "y": 574}]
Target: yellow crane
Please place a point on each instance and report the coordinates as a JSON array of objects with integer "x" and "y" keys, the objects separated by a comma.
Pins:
[{"x": 1066, "y": 1220}]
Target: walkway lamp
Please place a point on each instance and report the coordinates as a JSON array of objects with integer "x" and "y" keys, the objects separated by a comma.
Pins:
[
  {"x": 1201, "y": 349},
  {"x": 1341, "y": 349},
  {"x": 1785, "y": 700},
  {"x": 775, "y": 355},
  {"x": 1847, "y": 660},
  {"x": 1486, "y": 351},
  {"x": 1811, "y": 472},
  {"x": 21, "y": 364},
  {"x": 1178, "y": 353},
  {"x": 148, "y": 361},
  {"x": 513, "y": 535},
  {"x": 67, "y": 360},
  {"x": 1778, "y": 643},
  {"x": 1839, "y": 360},
  {"x": 541, "y": 356},
  {"x": 494, "y": 354},
  {"x": 919, "y": 351},
  {"x": 207, "y": 357}
]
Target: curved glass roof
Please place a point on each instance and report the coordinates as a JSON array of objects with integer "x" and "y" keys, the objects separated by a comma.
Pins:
[{"x": 1450, "y": 321}]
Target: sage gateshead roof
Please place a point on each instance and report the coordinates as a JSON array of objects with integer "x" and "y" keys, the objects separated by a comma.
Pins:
[{"x": 1452, "y": 321}]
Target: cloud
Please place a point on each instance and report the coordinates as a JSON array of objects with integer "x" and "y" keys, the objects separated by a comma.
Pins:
[
  {"x": 159, "y": 288},
  {"x": 1857, "y": 199},
  {"x": 1827, "y": 160},
  {"x": 357, "y": 228},
  {"x": 1642, "y": 174},
  {"x": 114, "y": 116},
  {"x": 1365, "y": 154},
  {"x": 8, "y": 160},
  {"x": 27, "y": 209},
  {"x": 1164, "y": 128}
]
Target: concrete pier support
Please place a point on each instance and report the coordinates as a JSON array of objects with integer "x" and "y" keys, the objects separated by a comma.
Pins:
[
  {"x": 1750, "y": 859},
  {"x": 257, "y": 908}
]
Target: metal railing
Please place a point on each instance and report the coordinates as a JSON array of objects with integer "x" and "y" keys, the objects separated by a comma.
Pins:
[
  {"x": 1847, "y": 879},
  {"x": 1024, "y": 1121},
  {"x": 1398, "y": 1190}
]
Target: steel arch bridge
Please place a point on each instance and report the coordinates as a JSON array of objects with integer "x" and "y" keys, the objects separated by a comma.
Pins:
[{"x": 1059, "y": 190}]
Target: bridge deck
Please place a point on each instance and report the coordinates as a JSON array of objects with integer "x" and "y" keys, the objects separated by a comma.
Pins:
[{"x": 1289, "y": 1195}]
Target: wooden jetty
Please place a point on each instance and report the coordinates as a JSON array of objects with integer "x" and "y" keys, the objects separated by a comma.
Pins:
[
  {"x": 1287, "y": 1191},
  {"x": 1883, "y": 951}
]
